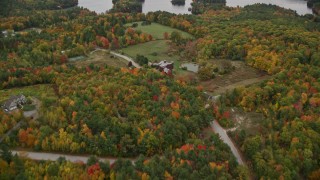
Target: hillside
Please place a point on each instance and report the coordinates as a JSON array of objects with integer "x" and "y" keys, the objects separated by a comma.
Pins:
[{"x": 93, "y": 106}]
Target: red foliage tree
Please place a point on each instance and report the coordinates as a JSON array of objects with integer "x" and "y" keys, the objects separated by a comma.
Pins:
[
  {"x": 63, "y": 59},
  {"x": 155, "y": 98},
  {"x": 94, "y": 168},
  {"x": 105, "y": 42}
]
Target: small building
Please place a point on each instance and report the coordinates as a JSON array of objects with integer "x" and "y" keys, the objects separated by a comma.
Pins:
[
  {"x": 163, "y": 66},
  {"x": 13, "y": 102}
]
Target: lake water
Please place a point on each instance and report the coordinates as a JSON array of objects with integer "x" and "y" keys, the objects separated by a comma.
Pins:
[{"x": 101, "y": 6}]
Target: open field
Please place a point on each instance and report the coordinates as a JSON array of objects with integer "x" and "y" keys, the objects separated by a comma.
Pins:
[
  {"x": 157, "y": 30},
  {"x": 243, "y": 75},
  {"x": 43, "y": 91},
  {"x": 101, "y": 58},
  {"x": 147, "y": 49}
]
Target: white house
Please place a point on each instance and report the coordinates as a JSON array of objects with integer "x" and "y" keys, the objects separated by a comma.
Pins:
[
  {"x": 164, "y": 66},
  {"x": 13, "y": 102}
]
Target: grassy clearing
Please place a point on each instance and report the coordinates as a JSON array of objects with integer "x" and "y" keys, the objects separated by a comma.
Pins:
[
  {"x": 42, "y": 92},
  {"x": 155, "y": 51},
  {"x": 148, "y": 49},
  {"x": 101, "y": 58},
  {"x": 157, "y": 30}
]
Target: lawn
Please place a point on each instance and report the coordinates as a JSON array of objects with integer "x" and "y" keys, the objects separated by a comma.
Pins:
[
  {"x": 157, "y": 30},
  {"x": 43, "y": 92},
  {"x": 101, "y": 58}
]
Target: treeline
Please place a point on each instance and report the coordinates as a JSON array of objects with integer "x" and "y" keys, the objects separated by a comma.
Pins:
[
  {"x": 18, "y": 77},
  {"x": 45, "y": 4},
  {"x": 12, "y": 7},
  {"x": 41, "y": 19}
]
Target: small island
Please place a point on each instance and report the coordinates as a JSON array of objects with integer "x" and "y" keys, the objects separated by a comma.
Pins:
[
  {"x": 127, "y": 6},
  {"x": 178, "y": 2}
]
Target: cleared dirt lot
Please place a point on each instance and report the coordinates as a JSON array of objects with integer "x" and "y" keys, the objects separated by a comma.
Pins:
[{"x": 243, "y": 75}]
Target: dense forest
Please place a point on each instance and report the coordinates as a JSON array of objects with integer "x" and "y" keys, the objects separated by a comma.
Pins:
[
  {"x": 11, "y": 7},
  {"x": 142, "y": 113},
  {"x": 122, "y": 113}
]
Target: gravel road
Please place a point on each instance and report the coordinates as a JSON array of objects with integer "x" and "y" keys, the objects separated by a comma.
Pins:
[
  {"x": 55, "y": 156},
  {"x": 225, "y": 138}
]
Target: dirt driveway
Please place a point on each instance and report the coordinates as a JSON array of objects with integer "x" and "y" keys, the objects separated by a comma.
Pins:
[{"x": 34, "y": 113}]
